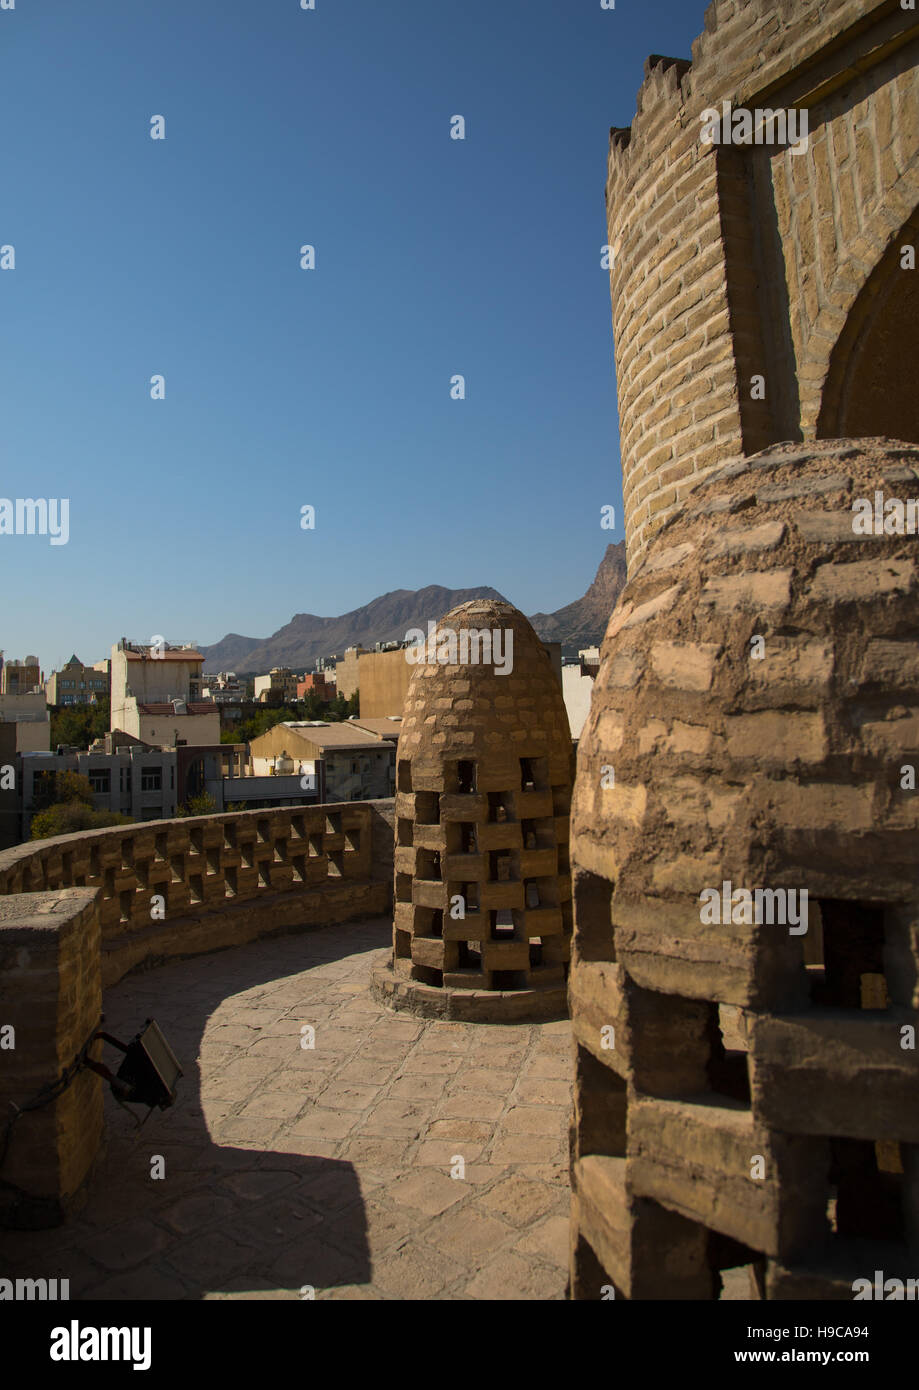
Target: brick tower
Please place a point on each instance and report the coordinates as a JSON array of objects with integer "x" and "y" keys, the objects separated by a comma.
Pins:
[
  {"x": 747, "y": 1092},
  {"x": 482, "y": 924}
]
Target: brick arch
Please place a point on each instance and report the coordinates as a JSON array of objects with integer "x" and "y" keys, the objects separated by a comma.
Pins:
[
  {"x": 853, "y": 289},
  {"x": 869, "y": 387}
]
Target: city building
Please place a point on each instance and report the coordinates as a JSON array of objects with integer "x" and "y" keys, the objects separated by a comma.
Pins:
[
  {"x": 382, "y": 676},
  {"x": 386, "y": 728},
  {"x": 346, "y": 673},
  {"x": 133, "y": 780},
  {"x": 10, "y": 791},
  {"x": 382, "y": 680},
  {"x": 224, "y": 689},
  {"x": 76, "y": 684},
  {"x": 29, "y": 714},
  {"x": 19, "y": 677},
  {"x": 319, "y": 683},
  {"x": 284, "y": 784},
  {"x": 156, "y": 695},
  {"x": 353, "y": 765},
  {"x": 279, "y": 687},
  {"x": 143, "y": 782},
  {"x": 578, "y": 676},
  {"x": 223, "y": 773}
]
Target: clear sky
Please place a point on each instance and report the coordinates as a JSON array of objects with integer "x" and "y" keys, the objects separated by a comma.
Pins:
[{"x": 285, "y": 387}]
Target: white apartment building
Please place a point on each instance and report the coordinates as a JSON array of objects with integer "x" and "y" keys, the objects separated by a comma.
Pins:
[
  {"x": 577, "y": 687},
  {"x": 156, "y": 695}
]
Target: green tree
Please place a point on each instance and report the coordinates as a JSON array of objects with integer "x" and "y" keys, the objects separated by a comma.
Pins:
[
  {"x": 65, "y": 818},
  {"x": 61, "y": 788},
  {"x": 261, "y": 721},
  {"x": 340, "y": 708},
  {"x": 77, "y": 725},
  {"x": 201, "y": 805},
  {"x": 63, "y": 804}
]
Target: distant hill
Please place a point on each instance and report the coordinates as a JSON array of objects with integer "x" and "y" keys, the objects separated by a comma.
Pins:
[
  {"x": 299, "y": 642},
  {"x": 387, "y": 619},
  {"x": 584, "y": 622}
]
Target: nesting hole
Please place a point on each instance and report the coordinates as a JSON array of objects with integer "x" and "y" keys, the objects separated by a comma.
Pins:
[
  {"x": 466, "y": 776},
  {"x": 427, "y": 808},
  {"x": 850, "y": 974},
  {"x": 427, "y": 865},
  {"x": 500, "y": 807},
  {"x": 866, "y": 1190},
  {"x": 534, "y": 774}
]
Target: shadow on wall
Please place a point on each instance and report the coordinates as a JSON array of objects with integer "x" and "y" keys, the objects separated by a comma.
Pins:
[{"x": 265, "y": 1215}]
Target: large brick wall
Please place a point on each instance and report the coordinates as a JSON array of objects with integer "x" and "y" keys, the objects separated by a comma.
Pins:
[
  {"x": 702, "y": 1041},
  {"x": 730, "y": 262},
  {"x": 383, "y": 679}
]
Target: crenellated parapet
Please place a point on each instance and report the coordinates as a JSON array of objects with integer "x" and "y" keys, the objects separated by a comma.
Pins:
[{"x": 736, "y": 267}]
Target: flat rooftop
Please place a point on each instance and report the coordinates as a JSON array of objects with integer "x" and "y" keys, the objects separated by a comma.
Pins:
[{"x": 333, "y": 735}]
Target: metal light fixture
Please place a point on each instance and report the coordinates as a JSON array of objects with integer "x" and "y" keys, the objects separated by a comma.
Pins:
[{"x": 149, "y": 1072}]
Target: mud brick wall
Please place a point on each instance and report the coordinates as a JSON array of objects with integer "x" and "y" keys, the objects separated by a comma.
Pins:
[
  {"x": 51, "y": 995},
  {"x": 223, "y": 879},
  {"x": 730, "y": 262},
  {"x": 382, "y": 839},
  {"x": 700, "y": 1045}
]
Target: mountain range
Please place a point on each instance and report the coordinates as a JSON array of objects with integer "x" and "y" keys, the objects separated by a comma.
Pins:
[{"x": 387, "y": 619}]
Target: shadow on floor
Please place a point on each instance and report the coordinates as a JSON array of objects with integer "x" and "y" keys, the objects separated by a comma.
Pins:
[{"x": 223, "y": 1218}]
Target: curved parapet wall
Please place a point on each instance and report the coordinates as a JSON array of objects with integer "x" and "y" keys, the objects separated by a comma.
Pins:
[
  {"x": 758, "y": 701},
  {"x": 735, "y": 262},
  {"x": 482, "y": 919},
  {"x": 79, "y": 911},
  {"x": 178, "y": 887}
]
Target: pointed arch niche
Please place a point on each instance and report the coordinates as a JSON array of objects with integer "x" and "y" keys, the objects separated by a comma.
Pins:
[{"x": 871, "y": 383}]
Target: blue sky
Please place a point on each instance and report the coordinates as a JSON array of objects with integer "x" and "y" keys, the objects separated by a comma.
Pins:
[{"x": 287, "y": 387}]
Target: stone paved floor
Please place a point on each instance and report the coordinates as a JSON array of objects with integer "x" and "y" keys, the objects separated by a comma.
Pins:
[{"x": 327, "y": 1167}]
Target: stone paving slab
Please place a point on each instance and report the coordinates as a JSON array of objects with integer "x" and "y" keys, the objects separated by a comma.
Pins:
[{"x": 333, "y": 1166}]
